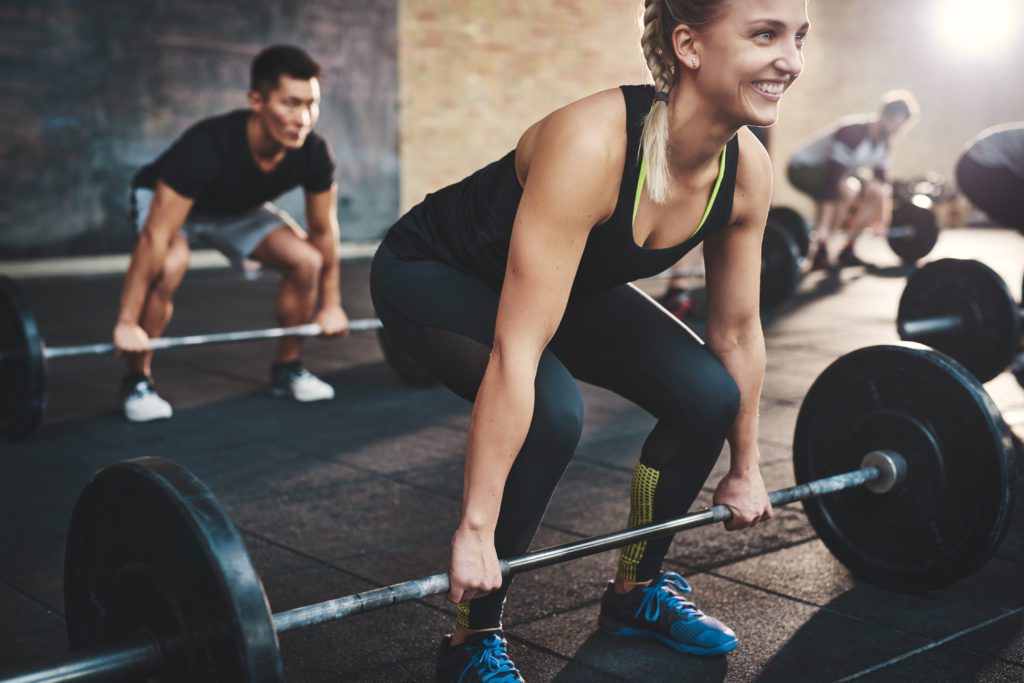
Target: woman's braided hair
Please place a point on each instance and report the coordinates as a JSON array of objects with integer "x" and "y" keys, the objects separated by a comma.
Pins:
[{"x": 660, "y": 18}]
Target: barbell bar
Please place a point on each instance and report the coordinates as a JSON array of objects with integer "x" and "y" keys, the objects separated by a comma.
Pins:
[
  {"x": 24, "y": 356},
  {"x": 886, "y": 469},
  {"x": 965, "y": 309},
  {"x": 881, "y": 472},
  {"x": 307, "y": 330},
  {"x": 151, "y": 551}
]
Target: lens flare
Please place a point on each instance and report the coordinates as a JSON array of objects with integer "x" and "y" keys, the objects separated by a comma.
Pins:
[{"x": 979, "y": 26}]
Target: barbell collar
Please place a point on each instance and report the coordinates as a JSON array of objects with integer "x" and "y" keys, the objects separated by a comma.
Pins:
[
  {"x": 923, "y": 327},
  {"x": 308, "y": 330},
  {"x": 892, "y": 468}
]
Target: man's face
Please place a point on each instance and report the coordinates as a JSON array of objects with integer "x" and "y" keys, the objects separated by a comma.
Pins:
[
  {"x": 289, "y": 112},
  {"x": 892, "y": 123}
]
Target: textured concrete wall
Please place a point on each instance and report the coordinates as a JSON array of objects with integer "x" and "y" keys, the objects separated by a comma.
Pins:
[
  {"x": 91, "y": 91},
  {"x": 474, "y": 74}
]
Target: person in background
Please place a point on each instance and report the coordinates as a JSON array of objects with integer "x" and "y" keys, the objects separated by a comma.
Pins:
[
  {"x": 844, "y": 169},
  {"x": 213, "y": 187},
  {"x": 990, "y": 172}
]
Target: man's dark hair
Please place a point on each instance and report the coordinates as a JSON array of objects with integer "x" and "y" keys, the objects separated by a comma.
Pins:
[
  {"x": 281, "y": 60},
  {"x": 900, "y": 102}
]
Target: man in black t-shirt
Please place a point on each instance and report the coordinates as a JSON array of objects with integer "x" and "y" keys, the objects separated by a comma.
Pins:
[{"x": 213, "y": 187}]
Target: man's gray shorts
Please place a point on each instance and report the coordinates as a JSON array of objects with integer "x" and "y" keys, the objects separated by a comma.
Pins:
[
  {"x": 808, "y": 179},
  {"x": 236, "y": 236}
]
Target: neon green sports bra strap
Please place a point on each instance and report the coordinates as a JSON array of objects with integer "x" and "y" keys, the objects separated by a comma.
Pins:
[
  {"x": 639, "y": 186},
  {"x": 711, "y": 202},
  {"x": 714, "y": 192}
]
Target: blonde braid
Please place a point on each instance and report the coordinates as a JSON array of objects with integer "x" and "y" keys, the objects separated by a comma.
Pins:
[
  {"x": 654, "y": 139},
  {"x": 660, "y": 19}
]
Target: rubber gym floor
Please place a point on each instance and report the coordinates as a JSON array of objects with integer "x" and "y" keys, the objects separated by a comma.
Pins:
[{"x": 337, "y": 497}]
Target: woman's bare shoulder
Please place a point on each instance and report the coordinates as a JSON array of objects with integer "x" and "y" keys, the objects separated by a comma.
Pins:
[
  {"x": 593, "y": 127},
  {"x": 753, "y": 192}
]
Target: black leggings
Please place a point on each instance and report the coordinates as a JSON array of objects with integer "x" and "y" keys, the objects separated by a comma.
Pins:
[{"x": 620, "y": 340}]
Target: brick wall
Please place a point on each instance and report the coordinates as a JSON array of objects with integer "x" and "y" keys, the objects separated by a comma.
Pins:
[{"x": 474, "y": 74}]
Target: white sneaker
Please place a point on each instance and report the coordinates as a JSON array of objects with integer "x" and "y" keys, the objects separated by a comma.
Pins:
[
  {"x": 294, "y": 381},
  {"x": 141, "y": 403}
]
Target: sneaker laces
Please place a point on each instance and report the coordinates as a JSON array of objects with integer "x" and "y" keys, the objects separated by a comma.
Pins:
[
  {"x": 492, "y": 662},
  {"x": 299, "y": 373},
  {"x": 140, "y": 389},
  {"x": 675, "y": 581},
  {"x": 662, "y": 592}
]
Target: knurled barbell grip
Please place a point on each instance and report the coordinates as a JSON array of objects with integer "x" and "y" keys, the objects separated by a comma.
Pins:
[{"x": 338, "y": 608}]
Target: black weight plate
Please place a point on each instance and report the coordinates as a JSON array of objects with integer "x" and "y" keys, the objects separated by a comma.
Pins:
[
  {"x": 410, "y": 370},
  {"x": 952, "y": 511},
  {"x": 22, "y": 365},
  {"x": 780, "y": 266},
  {"x": 795, "y": 226},
  {"x": 151, "y": 552},
  {"x": 987, "y": 341},
  {"x": 911, "y": 247}
]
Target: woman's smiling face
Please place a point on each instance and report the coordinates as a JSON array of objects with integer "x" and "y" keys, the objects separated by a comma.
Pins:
[{"x": 750, "y": 56}]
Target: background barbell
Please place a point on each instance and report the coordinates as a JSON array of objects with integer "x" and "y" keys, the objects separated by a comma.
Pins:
[
  {"x": 24, "y": 356},
  {"x": 963, "y": 308}
]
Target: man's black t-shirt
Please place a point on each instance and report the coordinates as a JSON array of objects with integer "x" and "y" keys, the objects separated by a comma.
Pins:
[{"x": 212, "y": 164}]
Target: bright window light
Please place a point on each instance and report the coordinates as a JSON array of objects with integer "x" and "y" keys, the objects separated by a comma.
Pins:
[{"x": 979, "y": 26}]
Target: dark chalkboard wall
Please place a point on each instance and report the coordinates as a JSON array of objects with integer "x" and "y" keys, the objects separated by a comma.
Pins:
[{"x": 92, "y": 89}]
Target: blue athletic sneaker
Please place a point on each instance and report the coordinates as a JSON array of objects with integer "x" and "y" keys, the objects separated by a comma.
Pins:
[
  {"x": 660, "y": 611},
  {"x": 483, "y": 658}
]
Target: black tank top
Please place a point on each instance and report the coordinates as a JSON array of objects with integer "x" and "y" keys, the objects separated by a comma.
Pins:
[{"x": 469, "y": 224}]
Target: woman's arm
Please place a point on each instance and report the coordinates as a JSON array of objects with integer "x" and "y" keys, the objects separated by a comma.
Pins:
[
  {"x": 571, "y": 185},
  {"x": 732, "y": 260}
]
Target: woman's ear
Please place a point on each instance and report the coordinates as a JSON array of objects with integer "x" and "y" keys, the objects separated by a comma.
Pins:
[{"x": 684, "y": 45}]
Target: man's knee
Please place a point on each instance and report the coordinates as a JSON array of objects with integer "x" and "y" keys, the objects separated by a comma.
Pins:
[
  {"x": 848, "y": 191},
  {"x": 305, "y": 265},
  {"x": 876, "y": 190},
  {"x": 173, "y": 271}
]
